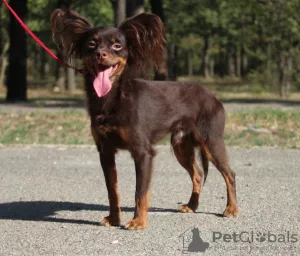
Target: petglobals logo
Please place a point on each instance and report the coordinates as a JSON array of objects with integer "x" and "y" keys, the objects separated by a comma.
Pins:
[{"x": 255, "y": 237}]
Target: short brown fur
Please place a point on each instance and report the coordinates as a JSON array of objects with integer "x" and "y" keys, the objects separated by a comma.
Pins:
[{"x": 137, "y": 113}]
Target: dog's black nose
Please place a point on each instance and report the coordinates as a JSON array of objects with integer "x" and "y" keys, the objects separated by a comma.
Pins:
[{"x": 102, "y": 55}]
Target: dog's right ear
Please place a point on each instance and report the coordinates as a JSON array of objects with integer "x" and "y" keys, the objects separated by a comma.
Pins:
[{"x": 68, "y": 27}]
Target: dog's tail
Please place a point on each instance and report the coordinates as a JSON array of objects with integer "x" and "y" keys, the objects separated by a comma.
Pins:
[{"x": 205, "y": 164}]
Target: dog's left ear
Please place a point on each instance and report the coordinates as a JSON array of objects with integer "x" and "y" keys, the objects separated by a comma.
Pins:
[{"x": 145, "y": 39}]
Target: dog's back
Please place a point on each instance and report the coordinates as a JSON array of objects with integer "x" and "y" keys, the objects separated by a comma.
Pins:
[{"x": 170, "y": 104}]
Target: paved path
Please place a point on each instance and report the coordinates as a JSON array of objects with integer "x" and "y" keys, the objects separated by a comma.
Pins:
[{"x": 52, "y": 199}]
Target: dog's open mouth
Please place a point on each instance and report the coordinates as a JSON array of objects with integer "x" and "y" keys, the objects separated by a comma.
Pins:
[
  {"x": 111, "y": 69},
  {"x": 102, "y": 83}
]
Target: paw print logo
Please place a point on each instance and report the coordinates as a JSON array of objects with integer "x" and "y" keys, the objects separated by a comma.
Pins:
[{"x": 261, "y": 237}]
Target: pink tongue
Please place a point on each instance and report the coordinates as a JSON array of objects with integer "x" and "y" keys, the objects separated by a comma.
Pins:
[{"x": 102, "y": 83}]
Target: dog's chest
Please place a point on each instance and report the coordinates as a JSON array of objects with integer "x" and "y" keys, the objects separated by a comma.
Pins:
[
  {"x": 115, "y": 135},
  {"x": 106, "y": 130}
]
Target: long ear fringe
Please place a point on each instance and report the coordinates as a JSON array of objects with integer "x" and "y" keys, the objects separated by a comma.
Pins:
[
  {"x": 67, "y": 29},
  {"x": 145, "y": 39}
]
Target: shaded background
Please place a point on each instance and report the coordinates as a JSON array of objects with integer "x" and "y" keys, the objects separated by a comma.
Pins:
[
  {"x": 253, "y": 44},
  {"x": 245, "y": 51}
]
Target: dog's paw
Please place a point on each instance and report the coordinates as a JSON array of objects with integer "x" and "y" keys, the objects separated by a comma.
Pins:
[
  {"x": 110, "y": 221},
  {"x": 138, "y": 223},
  {"x": 231, "y": 211},
  {"x": 185, "y": 208}
]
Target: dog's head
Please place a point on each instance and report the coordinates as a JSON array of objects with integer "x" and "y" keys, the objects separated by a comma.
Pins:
[{"x": 106, "y": 51}]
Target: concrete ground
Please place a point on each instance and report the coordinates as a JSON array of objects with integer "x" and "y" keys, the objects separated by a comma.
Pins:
[{"x": 53, "y": 197}]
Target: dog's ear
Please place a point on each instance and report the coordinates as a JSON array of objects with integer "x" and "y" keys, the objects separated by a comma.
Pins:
[
  {"x": 145, "y": 39},
  {"x": 68, "y": 27}
]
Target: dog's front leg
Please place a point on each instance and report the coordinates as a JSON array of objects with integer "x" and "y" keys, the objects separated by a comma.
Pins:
[
  {"x": 143, "y": 167},
  {"x": 107, "y": 160}
]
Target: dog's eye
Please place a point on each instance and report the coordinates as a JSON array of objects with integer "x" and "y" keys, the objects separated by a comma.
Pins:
[
  {"x": 116, "y": 47},
  {"x": 92, "y": 44}
]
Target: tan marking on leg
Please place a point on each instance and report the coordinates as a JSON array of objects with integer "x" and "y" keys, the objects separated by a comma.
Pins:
[
  {"x": 140, "y": 216},
  {"x": 231, "y": 207},
  {"x": 193, "y": 203}
]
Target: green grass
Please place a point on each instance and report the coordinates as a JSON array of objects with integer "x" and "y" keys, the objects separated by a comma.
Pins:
[
  {"x": 69, "y": 127},
  {"x": 275, "y": 128},
  {"x": 272, "y": 127}
]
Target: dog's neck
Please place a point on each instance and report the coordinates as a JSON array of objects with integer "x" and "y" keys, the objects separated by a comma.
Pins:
[{"x": 121, "y": 87}]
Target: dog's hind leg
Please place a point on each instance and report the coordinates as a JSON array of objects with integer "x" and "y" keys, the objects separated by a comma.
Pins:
[
  {"x": 218, "y": 156},
  {"x": 183, "y": 146}
]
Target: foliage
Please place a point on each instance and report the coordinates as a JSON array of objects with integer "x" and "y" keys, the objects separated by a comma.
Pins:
[{"x": 258, "y": 40}]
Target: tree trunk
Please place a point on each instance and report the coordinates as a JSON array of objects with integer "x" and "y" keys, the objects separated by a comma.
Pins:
[
  {"x": 211, "y": 67},
  {"x": 210, "y": 64},
  {"x": 162, "y": 71},
  {"x": 134, "y": 7},
  {"x": 289, "y": 72},
  {"x": 120, "y": 11},
  {"x": 64, "y": 3},
  {"x": 157, "y": 8},
  {"x": 238, "y": 60},
  {"x": 34, "y": 69},
  {"x": 16, "y": 80},
  {"x": 190, "y": 62},
  {"x": 222, "y": 64},
  {"x": 43, "y": 64},
  {"x": 281, "y": 73},
  {"x": 205, "y": 68},
  {"x": 3, "y": 59},
  {"x": 230, "y": 65},
  {"x": 1, "y": 39},
  {"x": 71, "y": 79},
  {"x": 3, "y": 68},
  {"x": 172, "y": 60},
  {"x": 269, "y": 64},
  {"x": 245, "y": 64},
  {"x": 60, "y": 81},
  {"x": 3, "y": 63}
]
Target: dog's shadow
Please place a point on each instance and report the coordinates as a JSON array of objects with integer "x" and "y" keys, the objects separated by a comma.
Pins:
[{"x": 47, "y": 211}]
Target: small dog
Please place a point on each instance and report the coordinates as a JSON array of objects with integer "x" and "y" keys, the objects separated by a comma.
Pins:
[{"x": 130, "y": 112}]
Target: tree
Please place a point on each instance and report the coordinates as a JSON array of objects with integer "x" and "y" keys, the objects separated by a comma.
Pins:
[
  {"x": 62, "y": 71},
  {"x": 1, "y": 29},
  {"x": 16, "y": 81},
  {"x": 119, "y": 7},
  {"x": 162, "y": 71},
  {"x": 157, "y": 8},
  {"x": 134, "y": 7},
  {"x": 4, "y": 45}
]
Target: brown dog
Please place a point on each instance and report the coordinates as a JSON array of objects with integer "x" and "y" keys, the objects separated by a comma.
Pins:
[{"x": 131, "y": 113}]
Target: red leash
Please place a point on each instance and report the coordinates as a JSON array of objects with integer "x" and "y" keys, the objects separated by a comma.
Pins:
[{"x": 39, "y": 41}]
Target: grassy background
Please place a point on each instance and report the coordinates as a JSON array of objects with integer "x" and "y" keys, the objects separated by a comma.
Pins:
[
  {"x": 263, "y": 127},
  {"x": 39, "y": 127},
  {"x": 257, "y": 127}
]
